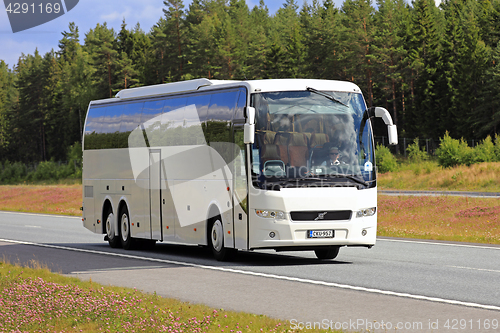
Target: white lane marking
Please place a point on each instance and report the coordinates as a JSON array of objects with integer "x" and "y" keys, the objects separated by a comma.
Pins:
[
  {"x": 32, "y": 226},
  {"x": 436, "y": 243},
  {"x": 45, "y": 215},
  {"x": 266, "y": 275},
  {"x": 475, "y": 269}
]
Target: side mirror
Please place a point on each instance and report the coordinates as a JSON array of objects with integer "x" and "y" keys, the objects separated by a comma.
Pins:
[
  {"x": 393, "y": 134},
  {"x": 249, "y": 133},
  {"x": 386, "y": 117}
]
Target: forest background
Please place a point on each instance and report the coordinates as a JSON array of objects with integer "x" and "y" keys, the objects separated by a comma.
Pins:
[{"x": 436, "y": 69}]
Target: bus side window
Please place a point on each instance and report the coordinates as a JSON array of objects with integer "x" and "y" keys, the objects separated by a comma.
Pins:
[
  {"x": 240, "y": 106},
  {"x": 172, "y": 122},
  {"x": 196, "y": 115},
  {"x": 150, "y": 120},
  {"x": 93, "y": 127},
  {"x": 219, "y": 131},
  {"x": 130, "y": 118}
]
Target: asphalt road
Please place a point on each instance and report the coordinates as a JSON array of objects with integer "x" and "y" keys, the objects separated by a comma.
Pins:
[{"x": 413, "y": 285}]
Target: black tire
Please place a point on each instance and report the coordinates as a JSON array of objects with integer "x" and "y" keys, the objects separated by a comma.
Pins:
[
  {"x": 216, "y": 240},
  {"x": 124, "y": 225},
  {"x": 327, "y": 253},
  {"x": 113, "y": 240}
]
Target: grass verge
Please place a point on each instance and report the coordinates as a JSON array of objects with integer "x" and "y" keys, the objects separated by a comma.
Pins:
[
  {"x": 462, "y": 219},
  {"x": 46, "y": 199},
  {"x": 428, "y": 175},
  {"x": 72, "y": 305}
]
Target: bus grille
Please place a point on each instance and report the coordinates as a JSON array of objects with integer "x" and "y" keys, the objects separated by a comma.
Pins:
[
  {"x": 89, "y": 191},
  {"x": 333, "y": 215}
]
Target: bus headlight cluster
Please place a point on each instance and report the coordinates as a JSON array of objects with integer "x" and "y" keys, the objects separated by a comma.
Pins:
[
  {"x": 366, "y": 212},
  {"x": 270, "y": 214}
]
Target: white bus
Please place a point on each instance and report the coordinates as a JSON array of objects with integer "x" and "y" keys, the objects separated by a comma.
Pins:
[{"x": 282, "y": 164}]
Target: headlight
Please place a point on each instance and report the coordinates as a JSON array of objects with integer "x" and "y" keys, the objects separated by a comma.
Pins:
[
  {"x": 270, "y": 214},
  {"x": 366, "y": 212}
]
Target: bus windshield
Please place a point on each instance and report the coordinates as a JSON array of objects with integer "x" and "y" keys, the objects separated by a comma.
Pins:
[{"x": 312, "y": 138}]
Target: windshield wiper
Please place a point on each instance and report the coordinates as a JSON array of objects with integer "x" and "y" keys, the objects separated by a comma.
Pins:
[
  {"x": 331, "y": 98},
  {"x": 353, "y": 178},
  {"x": 326, "y": 176}
]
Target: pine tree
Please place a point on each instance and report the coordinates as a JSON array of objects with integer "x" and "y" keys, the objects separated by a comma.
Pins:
[
  {"x": 70, "y": 42},
  {"x": 424, "y": 46},
  {"x": 464, "y": 62},
  {"x": 486, "y": 116},
  {"x": 388, "y": 53},
  {"x": 126, "y": 73},
  {"x": 321, "y": 24},
  {"x": 258, "y": 45},
  {"x": 8, "y": 98},
  {"x": 356, "y": 41},
  {"x": 75, "y": 84},
  {"x": 287, "y": 52},
  {"x": 101, "y": 44},
  {"x": 174, "y": 31},
  {"x": 27, "y": 117}
]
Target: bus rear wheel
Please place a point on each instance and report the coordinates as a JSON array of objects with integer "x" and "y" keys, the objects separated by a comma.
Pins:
[
  {"x": 216, "y": 240},
  {"x": 327, "y": 253},
  {"x": 113, "y": 240},
  {"x": 125, "y": 234}
]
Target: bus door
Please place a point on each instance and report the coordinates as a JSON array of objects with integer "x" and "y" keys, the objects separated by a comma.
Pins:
[
  {"x": 155, "y": 193},
  {"x": 240, "y": 197}
]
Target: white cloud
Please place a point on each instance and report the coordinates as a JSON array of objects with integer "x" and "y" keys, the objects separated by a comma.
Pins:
[
  {"x": 116, "y": 16},
  {"x": 12, "y": 49},
  {"x": 151, "y": 13}
]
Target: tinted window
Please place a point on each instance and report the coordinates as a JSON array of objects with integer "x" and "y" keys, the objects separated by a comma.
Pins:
[
  {"x": 105, "y": 134},
  {"x": 201, "y": 102},
  {"x": 219, "y": 133},
  {"x": 93, "y": 127},
  {"x": 152, "y": 109},
  {"x": 195, "y": 117},
  {"x": 194, "y": 120},
  {"x": 172, "y": 123},
  {"x": 131, "y": 116},
  {"x": 151, "y": 122},
  {"x": 93, "y": 123},
  {"x": 239, "y": 115},
  {"x": 222, "y": 106},
  {"x": 111, "y": 119}
]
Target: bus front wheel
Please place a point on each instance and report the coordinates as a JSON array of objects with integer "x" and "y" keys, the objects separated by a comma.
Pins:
[
  {"x": 216, "y": 240},
  {"x": 328, "y": 253},
  {"x": 125, "y": 234}
]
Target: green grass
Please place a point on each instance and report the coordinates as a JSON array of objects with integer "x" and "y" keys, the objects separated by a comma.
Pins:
[
  {"x": 440, "y": 218},
  {"x": 33, "y": 299},
  {"x": 428, "y": 175}
]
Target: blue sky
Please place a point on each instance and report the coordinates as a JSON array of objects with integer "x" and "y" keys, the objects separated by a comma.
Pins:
[{"x": 86, "y": 15}]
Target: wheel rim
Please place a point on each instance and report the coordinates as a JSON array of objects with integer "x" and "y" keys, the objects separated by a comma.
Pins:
[
  {"x": 217, "y": 235},
  {"x": 124, "y": 227},
  {"x": 109, "y": 226}
]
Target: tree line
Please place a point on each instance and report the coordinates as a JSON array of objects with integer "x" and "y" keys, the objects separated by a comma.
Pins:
[{"x": 435, "y": 69}]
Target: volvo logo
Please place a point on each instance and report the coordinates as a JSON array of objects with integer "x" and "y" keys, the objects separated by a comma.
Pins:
[{"x": 321, "y": 216}]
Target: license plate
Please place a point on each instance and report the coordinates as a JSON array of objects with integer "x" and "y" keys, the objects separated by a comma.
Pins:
[{"x": 320, "y": 234}]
